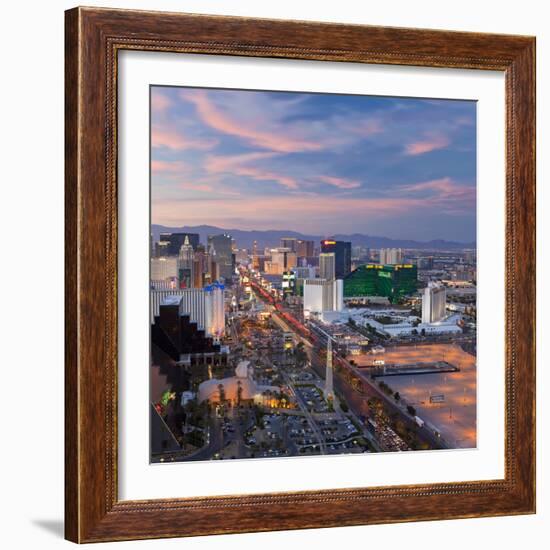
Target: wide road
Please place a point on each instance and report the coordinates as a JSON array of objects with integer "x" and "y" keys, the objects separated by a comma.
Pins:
[
  {"x": 358, "y": 402},
  {"x": 303, "y": 406}
]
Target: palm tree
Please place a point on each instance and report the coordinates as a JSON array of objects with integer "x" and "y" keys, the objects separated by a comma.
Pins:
[
  {"x": 221, "y": 393},
  {"x": 239, "y": 391}
]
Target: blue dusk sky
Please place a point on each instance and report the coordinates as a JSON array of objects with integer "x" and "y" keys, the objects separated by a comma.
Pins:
[{"x": 319, "y": 164}]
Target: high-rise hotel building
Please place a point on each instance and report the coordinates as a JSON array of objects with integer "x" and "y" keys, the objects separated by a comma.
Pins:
[
  {"x": 282, "y": 259},
  {"x": 434, "y": 300},
  {"x": 225, "y": 260},
  {"x": 327, "y": 265},
  {"x": 342, "y": 256},
  {"x": 391, "y": 256},
  {"x": 204, "y": 306},
  {"x": 322, "y": 295},
  {"x": 186, "y": 264},
  {"x": 305, "y": 249}
]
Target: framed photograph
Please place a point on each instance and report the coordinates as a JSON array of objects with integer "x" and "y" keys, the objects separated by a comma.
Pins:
[{"x": 300, "y": 275}]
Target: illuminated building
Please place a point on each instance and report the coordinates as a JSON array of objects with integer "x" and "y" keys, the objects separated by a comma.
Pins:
[
  {"x": 175, "y": 241},
  {"x": 186, "y": 267},
  {"x": 434, "y": 299},
  {"x": 198, "y": 274},
  {"x": 389, "y": 281},
  {"x": 390, "y": 256},
  {"x": 212, "y": 272},
  {"x": 214, "y": 305},
  {"x": 282, "y": 259},
  {"x": 255, "y": 260},
  {"x": 289, "y": 282},
  {"x": 238, "y": 388},
  {"x": 327, "y": 265},
  {"x": 342, "y": 254}
]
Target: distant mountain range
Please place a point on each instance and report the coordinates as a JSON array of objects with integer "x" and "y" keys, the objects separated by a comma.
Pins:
[{"x": 245, "y": 239}]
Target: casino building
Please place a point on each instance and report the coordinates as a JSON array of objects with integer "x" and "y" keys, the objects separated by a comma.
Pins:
[
  {"x": 388, "y": 281},
  {"x": 342, "y": 256}
]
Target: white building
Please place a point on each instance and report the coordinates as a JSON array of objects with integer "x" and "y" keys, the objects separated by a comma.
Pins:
[
  {"x": 322, "y": 295},
  {"x": 214, "y": 298},
  {"x": 235, "y": 388},
  {"x": 338, "y": 295},
  {"x": 205, "y": 306},
  {"x": 433, "y": 303},
  {"x": 449, "y": 326},
  {"x": 391, "y": 256}
]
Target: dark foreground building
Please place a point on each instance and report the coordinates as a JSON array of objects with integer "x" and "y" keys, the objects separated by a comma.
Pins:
[
  {"x": 174, "y": 241},
  {"x": 342, "y": 256},
  {"x": 182, "y": 341}
]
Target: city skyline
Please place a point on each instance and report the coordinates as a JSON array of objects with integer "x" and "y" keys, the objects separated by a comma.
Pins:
[
  {"x": 332, "y": 164},
  {"x": 313, "y": 274},
  {"x": 274, "y": 235}
]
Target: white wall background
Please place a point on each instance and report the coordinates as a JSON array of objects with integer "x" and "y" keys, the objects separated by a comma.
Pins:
[{"x": 31, "y": 470}]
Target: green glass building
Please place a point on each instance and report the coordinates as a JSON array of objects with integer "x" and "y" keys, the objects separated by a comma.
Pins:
[{"x": 389, "y": 281}]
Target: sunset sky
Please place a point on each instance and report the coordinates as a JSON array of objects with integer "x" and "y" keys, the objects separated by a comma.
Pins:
[{"x": 316, "y": 163}]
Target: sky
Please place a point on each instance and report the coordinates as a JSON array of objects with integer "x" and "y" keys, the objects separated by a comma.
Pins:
[{"x": 319, "y": 164}]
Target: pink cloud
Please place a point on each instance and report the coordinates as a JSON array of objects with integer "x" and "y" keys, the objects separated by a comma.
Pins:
[
  {"x": 444, "y": 186},
  {"x": 239, "y": 165},
  {"x": 159, "y": 102},
  {"x": 444, "y": 193},
  {"x": 276, "y": 139},
  {"x": 168, "y": 167},
  {"x": 252, "y": 211},
  {"x": 222, "y": 163},
  {"x": 341, "y": 183},
  {"x": 427, "y": 145},
  {"x": 319, "y": 210},
  {"x": 176, "y": 141},
  {"x": 367, "y": 128},
  {"x": 198, "y": 187}
]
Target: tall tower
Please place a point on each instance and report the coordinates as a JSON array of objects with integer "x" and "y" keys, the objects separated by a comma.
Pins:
[
  {"x": 225, "y": 259},
  {"x": 186, "y": 267},
  {"x": 327, "y": 265},
  {"x": 329, "y": 391},
  {"x": 255, "y": 260},
  {"x": 434, "y": 302}
]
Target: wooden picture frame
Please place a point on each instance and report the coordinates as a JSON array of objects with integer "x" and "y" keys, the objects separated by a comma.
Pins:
[{"x": 94, "y": 37}]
